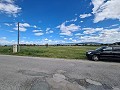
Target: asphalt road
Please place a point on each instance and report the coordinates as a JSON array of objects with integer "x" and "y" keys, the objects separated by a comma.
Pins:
[{"x": 29, "y": 73}]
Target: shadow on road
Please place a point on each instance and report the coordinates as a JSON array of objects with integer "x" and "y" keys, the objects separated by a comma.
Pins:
[{"x": 116, "y": 61}]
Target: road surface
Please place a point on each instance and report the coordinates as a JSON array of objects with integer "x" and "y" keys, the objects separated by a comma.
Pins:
[{"x": 33, "y": 73}]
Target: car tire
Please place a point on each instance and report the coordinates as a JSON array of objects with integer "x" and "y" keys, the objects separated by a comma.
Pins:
[{"x": 95, "y": 58}]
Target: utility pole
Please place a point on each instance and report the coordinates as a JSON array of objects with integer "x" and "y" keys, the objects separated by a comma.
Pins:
[{"x": 18, "y": 37}]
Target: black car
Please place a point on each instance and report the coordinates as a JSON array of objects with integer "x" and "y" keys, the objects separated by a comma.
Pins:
[{"x": 105, "y": 52}]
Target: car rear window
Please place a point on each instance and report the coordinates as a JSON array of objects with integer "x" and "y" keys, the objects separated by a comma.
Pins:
[
  {"x": 108, "y": 49},
  {"x": 116, "y": 48}
]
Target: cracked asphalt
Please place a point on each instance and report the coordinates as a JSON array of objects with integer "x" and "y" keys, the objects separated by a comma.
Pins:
[{"x": 33, "y": 73}]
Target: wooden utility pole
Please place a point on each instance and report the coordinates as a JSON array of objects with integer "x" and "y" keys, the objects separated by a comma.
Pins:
[{"x": 18, "y": 37}]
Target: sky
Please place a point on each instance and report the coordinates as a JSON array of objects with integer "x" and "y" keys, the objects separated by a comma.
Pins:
[{"x": 59, "y": 21}]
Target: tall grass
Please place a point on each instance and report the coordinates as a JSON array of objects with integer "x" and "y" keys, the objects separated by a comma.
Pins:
[{"x": 67, "y": 52}]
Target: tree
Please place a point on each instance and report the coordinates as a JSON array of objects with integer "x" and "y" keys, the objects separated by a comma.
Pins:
[{"x": 46, "y": 45}]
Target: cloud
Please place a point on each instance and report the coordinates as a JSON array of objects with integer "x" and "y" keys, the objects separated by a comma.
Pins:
[
  {"x": 11, "y": 31},
  {"x": 4, "y": 41},
  {"x": 37, "y": 31},
  {"x": 78, "y": 34},
  {"x": 65, "y": 38},
  {"x": 22, "y": 27},
  {"x": 46, "y": 39},
  {"x": 68, "y": 30},
  {"x": 113, "y": 26},
  {"x": 7, "y": 24},
  {"x": 81, "y": 21},
  {"x": 34, "y": 26},
  {"x": 50, "y": 31},
  {"x": 47, "y": 29},
  {"x": 39, "y": 34},
  {"x": 104, "y": 36},
  {"x": 85, "y": 15},
  {"x": 3, "y": 38},
  {"x": 7, "y": 1},
  {"x": 70, "y": 38},
  {"x": 8, "y": 7},
  {"x": 73, "y": 20},
  {"x": 74, "y": 41},
  {"x": 91, "y": 30},
  {"x": 106, "y": 9}
]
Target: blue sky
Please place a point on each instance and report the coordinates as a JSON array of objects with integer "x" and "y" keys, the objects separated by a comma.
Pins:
[{"x": 60, "y": 21}]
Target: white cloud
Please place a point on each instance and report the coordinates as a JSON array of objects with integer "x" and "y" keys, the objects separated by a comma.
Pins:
[
  {"x": 50, "y": 31},
  {"x": 70, "y": 38},
  {"x": 91, "y": 30},
  {"x": 104, "y": 36},
  {"x": 7, "y": 24},
  {"x": 81, "y": 21},
  {"x": 3, "y": 38},
  {"x": 47, "y": 29},
  {"x": 67, "y": 33},
  {"x": 61, "y": 36},
  {"x": 73, "y": 20},
  {"x": 78, "y": 34},
  {"x": 85, "y": 15},
  {"x": 39, "y": 34},
  {"x": 22, "y": 27},
  {"x": 74, "y": 41},
  {"x": 39, "y": 42},
  {"x": 37, "y": 31},
  {"x": 65, "y": 38},
  {"x": 7, "y": 1},
  {"x": 46, "y": 39},
  {"x": 68, "y": 30},
  {"x": 11, "y": 31},
  {"x": 35, "y": 26},
  {"x": 103, "y": 9},
  {"x": 4, "y": 41},
  {"x": 8, "y": 7},
  {"x": 113, "y": 26},
  {"x": 90, "y": 39}
]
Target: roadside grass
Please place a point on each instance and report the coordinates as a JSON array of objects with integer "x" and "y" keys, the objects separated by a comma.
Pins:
[{"x": 67, "y": 52}]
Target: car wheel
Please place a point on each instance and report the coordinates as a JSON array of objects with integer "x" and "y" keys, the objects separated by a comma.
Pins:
[{"x": 95, "y": 58}]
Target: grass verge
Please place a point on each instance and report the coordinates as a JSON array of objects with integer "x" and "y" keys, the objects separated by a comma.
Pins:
[{"x": 67, "y": 52}]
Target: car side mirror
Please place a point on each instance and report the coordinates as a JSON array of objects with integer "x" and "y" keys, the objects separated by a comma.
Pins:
[{"x": 102, "y": 50}]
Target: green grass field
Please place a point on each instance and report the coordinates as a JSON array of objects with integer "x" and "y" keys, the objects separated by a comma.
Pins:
[{"x": 67, "y": 52}]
